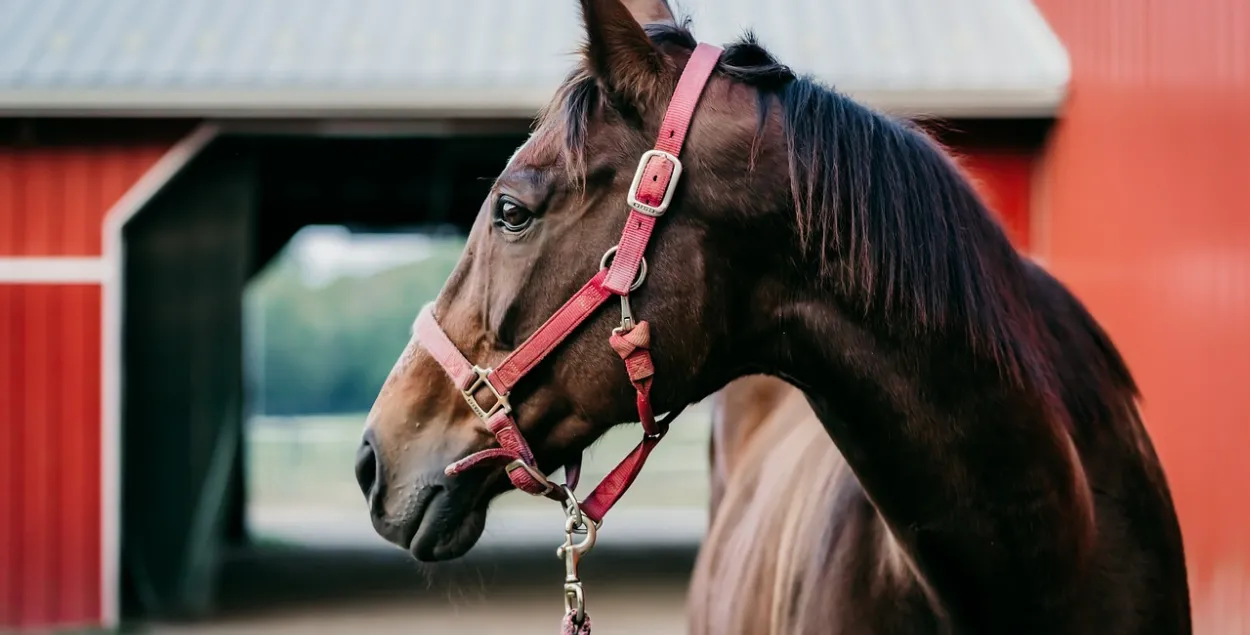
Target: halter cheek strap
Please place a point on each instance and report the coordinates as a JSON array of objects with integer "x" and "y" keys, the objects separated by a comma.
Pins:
[{"x": 649, "y": 197}]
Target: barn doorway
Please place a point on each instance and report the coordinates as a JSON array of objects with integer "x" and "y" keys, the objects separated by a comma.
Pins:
[{"x": 267, "y": 289}]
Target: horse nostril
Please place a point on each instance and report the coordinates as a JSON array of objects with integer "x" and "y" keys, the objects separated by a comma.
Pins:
[{"x": 368, "y": 470}]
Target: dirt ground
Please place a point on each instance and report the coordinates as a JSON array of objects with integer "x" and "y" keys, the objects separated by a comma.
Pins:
[
  {"x": 324, "y": 569},
  {"x": 654, "y": 611},
  {"x": 283, "y": 590}
]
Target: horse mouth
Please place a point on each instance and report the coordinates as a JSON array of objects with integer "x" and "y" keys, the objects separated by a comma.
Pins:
[{"x": 445, "y": 523}]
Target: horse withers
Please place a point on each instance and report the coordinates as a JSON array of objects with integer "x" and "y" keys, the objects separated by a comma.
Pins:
[{"x": 988, "y": 422}]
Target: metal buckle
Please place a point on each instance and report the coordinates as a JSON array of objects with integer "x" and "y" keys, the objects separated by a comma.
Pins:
[
  {"x": 632, "y": 198},
  {"x": 501, "y": 401},
  {"x": 518, "y": 464}
]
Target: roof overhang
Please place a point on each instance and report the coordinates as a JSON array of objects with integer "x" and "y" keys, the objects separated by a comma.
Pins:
[
  {"x": 456, "y": 104},
  {"x": 958, "y": 58}
]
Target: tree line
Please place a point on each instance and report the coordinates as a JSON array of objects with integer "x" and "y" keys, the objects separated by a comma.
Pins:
[{"x": 327, "y": 349}]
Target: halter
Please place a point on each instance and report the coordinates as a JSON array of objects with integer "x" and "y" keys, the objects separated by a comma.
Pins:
[{"x": 621, "y": 270}]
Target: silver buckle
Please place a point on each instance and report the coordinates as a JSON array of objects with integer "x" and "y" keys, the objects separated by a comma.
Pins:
[
  {"x": 632, "y": 197},
  {"x": 501, "y": 401},
  {"x": 518, "y": 464}
]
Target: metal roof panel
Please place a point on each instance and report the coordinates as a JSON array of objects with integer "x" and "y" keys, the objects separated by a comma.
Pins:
[{"x": 404, "y": 57}]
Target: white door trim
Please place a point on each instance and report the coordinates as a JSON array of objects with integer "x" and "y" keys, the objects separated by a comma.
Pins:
[
  {"x": 126, "y": 207},
  {"x": 52, "y": 270}
]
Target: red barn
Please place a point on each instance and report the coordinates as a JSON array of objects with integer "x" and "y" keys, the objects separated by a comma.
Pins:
[{"x": 152, "y": 159}]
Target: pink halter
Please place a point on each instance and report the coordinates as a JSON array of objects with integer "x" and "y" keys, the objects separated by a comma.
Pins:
[{"x": 649, "y": 197}]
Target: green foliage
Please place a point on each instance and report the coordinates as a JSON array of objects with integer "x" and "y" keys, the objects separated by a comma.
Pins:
[{"x": 328, "y": 349}]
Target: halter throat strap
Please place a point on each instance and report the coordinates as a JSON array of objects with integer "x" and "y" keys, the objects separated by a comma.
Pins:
[{"x": 650, "y": 195}]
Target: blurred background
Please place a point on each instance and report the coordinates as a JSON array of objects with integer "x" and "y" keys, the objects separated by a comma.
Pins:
[{"x": 218, "y": 219}]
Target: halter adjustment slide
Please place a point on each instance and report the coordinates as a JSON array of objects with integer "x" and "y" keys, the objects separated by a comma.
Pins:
[{"x": 520, "y": 464}]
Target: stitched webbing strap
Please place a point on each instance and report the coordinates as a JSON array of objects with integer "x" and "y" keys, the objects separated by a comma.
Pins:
[
  {"x": 657, "y": 176},
  {"x": 633, "y": 347},
  {"x": 434, "y": 340},
  {"x": 550, "y": 334}
]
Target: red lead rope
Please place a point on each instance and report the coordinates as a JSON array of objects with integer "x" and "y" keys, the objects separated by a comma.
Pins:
[{"x": 649, "y": 197}]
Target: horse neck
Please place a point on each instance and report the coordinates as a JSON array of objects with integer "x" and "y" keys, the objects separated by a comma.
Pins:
[{"x": 974, "y": 473}]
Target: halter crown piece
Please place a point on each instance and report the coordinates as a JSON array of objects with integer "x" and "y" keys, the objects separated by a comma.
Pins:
[{"x": 622, "y": 270}]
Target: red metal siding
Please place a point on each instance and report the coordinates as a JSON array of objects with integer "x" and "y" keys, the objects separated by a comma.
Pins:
[
  {"x": 1002, "y": 179},
  {"x": 50, "y": 455},
  {"x": 1147, "y": 194},
  {"x": 53, "y": 199}
]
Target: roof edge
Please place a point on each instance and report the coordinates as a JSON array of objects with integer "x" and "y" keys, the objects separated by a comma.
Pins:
[{"x": 465, "y": 103}]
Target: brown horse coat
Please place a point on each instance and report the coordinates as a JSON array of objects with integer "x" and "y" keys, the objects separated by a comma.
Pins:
[
  {"x": 989, "y": 422},
  {"x": 791, "y": 527}
]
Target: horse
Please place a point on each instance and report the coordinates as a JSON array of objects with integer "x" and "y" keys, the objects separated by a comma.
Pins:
[
  {"x": 753, "y": 221},
  {"x": 777, "y": 482}
]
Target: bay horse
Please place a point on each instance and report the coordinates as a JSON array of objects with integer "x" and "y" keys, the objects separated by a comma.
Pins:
[
  {"x": 778, "y": 483},
  {"x": 791, "y": 524},
  {"x": 987, "y": 421}
]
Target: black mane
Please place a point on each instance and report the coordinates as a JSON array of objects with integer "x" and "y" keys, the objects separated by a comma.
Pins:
[{"x": 881, "y": 210}]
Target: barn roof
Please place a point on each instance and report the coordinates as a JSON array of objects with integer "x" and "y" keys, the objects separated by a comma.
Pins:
[{"x": 487, "y": 58}]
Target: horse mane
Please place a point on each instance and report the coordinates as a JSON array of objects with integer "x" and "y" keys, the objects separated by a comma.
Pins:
[
  {"x": 779, "y": 476},
  {"x": 882, "y": 212}
]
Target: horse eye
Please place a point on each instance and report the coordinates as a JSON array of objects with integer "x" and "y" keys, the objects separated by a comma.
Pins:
[{"x": 511, "y": 216}]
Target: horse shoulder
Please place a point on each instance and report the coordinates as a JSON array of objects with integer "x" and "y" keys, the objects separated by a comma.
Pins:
[{"x": 795, "y": 546}]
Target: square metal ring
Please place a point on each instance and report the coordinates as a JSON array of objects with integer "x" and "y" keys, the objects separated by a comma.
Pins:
[{"x": 501, "y": 401}]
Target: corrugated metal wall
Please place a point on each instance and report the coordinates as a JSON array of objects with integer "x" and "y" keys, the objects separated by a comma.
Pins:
[
  {"x": 49, "y": 454},
  {"x": 1145, "y": 212},
  {"x": 1002, "y": 177},
  {"x": 52, "y": 201}
]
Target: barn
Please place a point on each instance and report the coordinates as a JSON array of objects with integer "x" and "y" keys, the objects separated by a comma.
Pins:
[{"x": 154, "y": 156}]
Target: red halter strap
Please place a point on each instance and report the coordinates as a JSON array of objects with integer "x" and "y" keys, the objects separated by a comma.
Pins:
[{"x": 649, "y": 197}]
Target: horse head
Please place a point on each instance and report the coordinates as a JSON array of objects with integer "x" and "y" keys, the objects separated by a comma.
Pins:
[{"x": 551, "y": 221}]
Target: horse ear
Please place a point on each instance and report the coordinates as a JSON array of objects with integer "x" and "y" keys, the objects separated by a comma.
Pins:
[
  {"x": 618, "y": 51},
  {"x": 651, "y": 11}
]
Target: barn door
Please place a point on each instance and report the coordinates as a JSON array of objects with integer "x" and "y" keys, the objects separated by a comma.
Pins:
[{"x": 186, "y": 263}]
